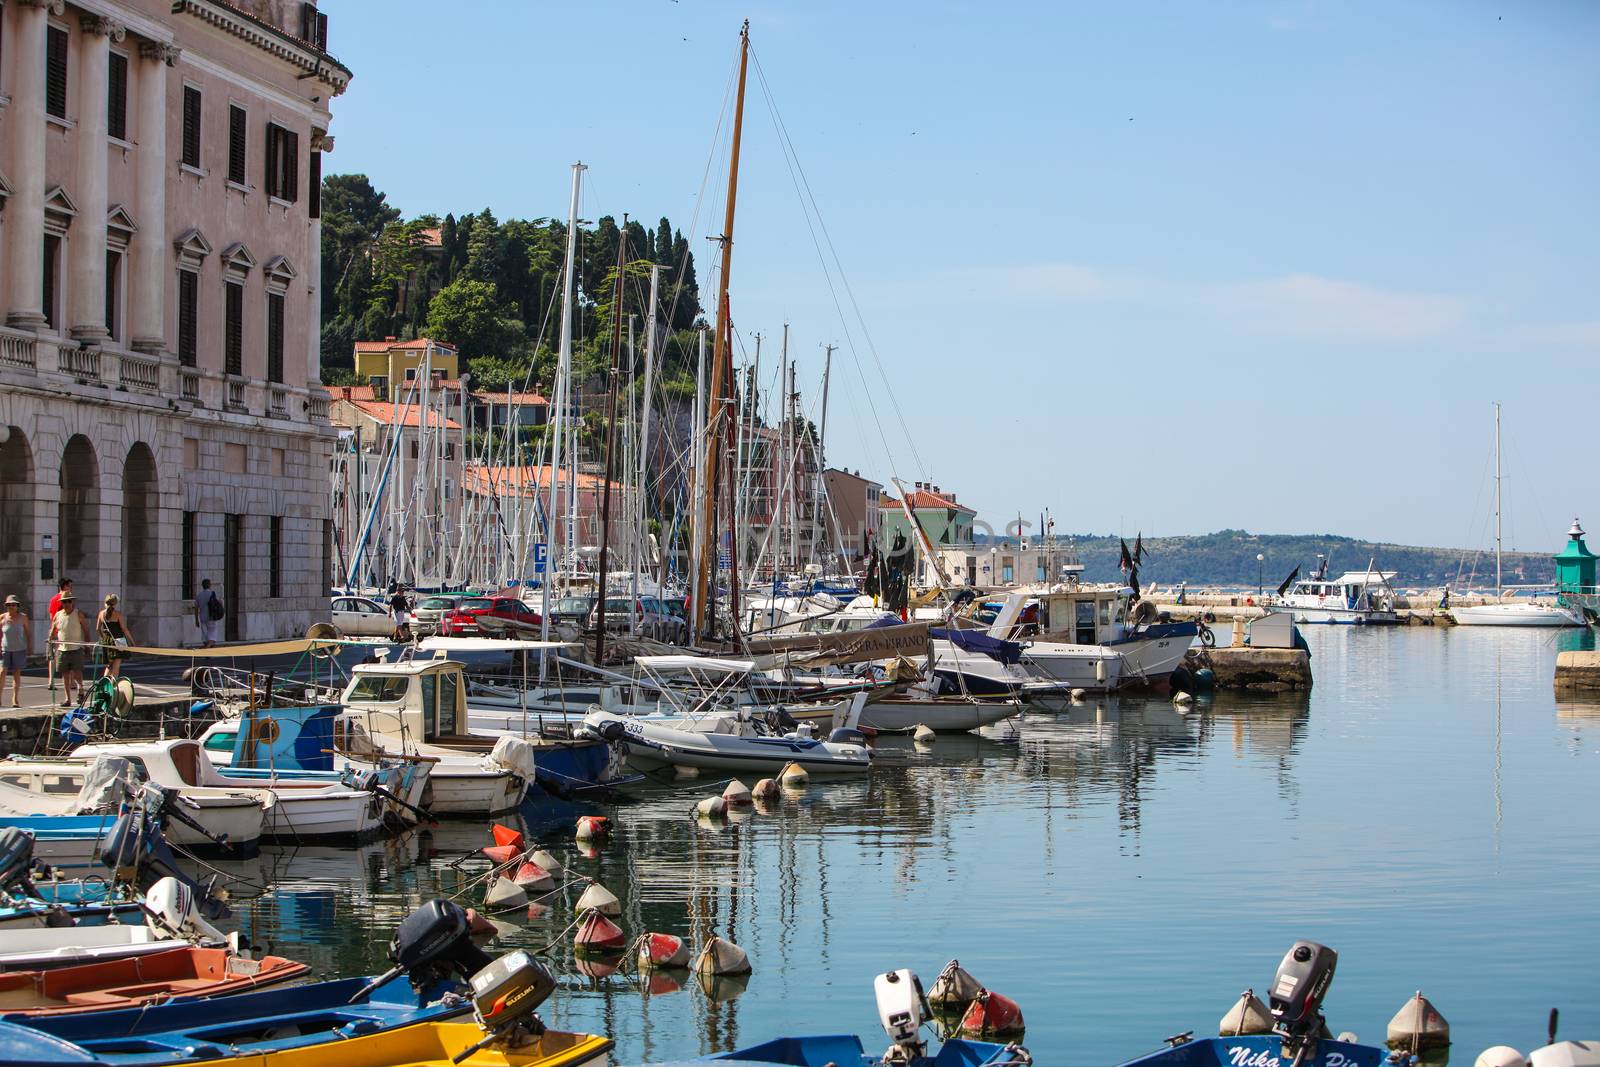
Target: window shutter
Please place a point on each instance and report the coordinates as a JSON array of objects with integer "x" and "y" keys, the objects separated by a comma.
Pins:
[
  {"x": 234, "y": 340},
  {"x": 308, "y": 21},
  {"x": 272, "y": 160},
  {"x": 52, "y": 248},
  {"x": 55, "y": 73},
  {"x": 117, "y": 98},
  {"x": 188, "y": 316},
  {"x": 191, "y": 126},
  {"x": 314, "y": 180},
  {"x": 291, "y": 168},
  {"x": 322, "y": 32},
  {"x": 275, "y": 337},
  {"x": 236, "y": 143}
]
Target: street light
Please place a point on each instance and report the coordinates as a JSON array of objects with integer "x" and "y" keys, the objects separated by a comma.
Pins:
[{"x": 1261, "y": 564}]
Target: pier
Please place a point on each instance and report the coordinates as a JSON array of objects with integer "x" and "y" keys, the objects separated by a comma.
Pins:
[{"x": 1577, "y": 671}]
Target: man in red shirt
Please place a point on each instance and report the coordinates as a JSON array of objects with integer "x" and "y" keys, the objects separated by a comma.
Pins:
[{"x": 63, "y": 587}]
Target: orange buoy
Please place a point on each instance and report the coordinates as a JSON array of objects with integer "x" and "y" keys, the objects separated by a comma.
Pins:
[
  {"x": 530, "y": 875},
  {"x": 991, "y": 1016},
  {"x": 593, "y": 826},
  {"x": 596, "y": 933},
  {"x": 766, "y": 789},
  {"x": 505, "y": 835},
  {"x": 657, "y": 951},
  {"x": 500, "y": 855}
]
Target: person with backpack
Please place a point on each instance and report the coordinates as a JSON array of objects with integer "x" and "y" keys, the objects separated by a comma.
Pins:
[{"x": 208, "y": 613}]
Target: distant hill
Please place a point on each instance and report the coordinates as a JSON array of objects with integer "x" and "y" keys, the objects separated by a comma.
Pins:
[{"x": 1228, "y": 558}]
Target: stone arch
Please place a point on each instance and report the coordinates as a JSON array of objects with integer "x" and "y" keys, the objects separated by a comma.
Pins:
[
  {"x": 78, "y": 516},
  {"x": 141, "y": 501},
  {"x": 17, "y": 541}
]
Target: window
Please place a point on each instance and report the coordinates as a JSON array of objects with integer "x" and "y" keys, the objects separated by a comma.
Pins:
[
  {"x": 55, "y": 73},
  {"x": 313, "y": 26},
  {"x": 188, "y": 317},
  {"x": 274, "y": 555},
  {"x": 113, "y": 292},
  {"x": 190, "y": 586},
  {"x": 191, "y": 126},
  {"x": 283, "y": 162},
  {"x": 52, "y": 267},
  {"x": 117, "y": 97},
  {"x": 274, "y": 337},
  {"x": 314, "y": 184},
  {"x": 236, "y": 143},
  {"x": 327, "y": 553},
  {"x": 233, "y": 338},
  {"x": 380, "y": 688}
]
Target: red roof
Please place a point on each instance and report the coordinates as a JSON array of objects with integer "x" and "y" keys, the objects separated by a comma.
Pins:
[
  {"x": 924, "y": 498},
  {"x": 484, "y": 479},
  {"x": 388, "y": 414},
  {"x": 404, "y": 346},
  {"x": 531, "y": 399}
]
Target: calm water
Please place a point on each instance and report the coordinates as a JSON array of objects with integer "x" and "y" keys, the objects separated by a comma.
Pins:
[{"x": 1123, "y": 871}]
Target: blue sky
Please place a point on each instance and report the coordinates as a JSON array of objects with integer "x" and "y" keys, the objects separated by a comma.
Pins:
[{"x": 1169, "y": 267}]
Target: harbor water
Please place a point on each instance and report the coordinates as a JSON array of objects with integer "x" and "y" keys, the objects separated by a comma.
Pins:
[{"x": 1123, "y": 870}]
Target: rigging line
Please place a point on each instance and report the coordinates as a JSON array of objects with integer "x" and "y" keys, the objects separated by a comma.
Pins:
[{"x": 796, "y": 168}]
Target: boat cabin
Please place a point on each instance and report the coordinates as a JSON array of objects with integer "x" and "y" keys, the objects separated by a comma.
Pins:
[
  {"x": 420, "y": 699},
  {"x": 1077, "y": 614},
  {"x": 1355, "y": 591}
]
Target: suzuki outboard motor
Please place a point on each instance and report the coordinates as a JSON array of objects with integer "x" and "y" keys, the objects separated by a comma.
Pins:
[
  {"x": 1296, "y": 997},
  {"x": 505, "y": 996},
  {"x": 137, "y": 852},
  {"x": 432, "y": 945}
]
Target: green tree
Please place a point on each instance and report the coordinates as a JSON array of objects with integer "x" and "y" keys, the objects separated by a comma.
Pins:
[{"x": 470, "y": 315}]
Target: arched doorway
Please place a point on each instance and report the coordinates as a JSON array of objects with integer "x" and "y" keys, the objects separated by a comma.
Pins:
[
  {"x": 78, "y": 519},
  {"x": 17, "y": 541},
  {"x": 140, "y": 555}
]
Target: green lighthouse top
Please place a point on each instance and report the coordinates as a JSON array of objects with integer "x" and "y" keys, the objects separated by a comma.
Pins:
[{"x": 1575, "y": 566}]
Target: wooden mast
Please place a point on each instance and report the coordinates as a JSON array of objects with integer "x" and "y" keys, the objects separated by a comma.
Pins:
[
  {"x": 619, "y": 293},
  {"x": 718, "y": 405}
]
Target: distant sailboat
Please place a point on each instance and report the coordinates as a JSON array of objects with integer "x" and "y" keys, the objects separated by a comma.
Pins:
[{"x": 1517, "y": 613}]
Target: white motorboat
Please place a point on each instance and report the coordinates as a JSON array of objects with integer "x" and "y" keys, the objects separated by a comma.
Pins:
[
  {"x": 1362, "y": 598},
  {"x": 941, "y": 713},
  {"x": 1516, "y": 613},
  {"x": 295, "y": 810},
  {"x": 172, "y": 918}
]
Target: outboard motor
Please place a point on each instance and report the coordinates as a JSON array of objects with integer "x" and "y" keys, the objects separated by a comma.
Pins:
[
  {"x": 432, "y": 945},
  {"x": 16, "y": 872},
  {"x": 844, "y": 735},
  {"x": 902, "y": 1009},
  {"x": 137, "y": 852},
  {"x": 505, "y": 996},
  {"x": 1296, "y": 997},
  {"x": 170, "y": 906}
]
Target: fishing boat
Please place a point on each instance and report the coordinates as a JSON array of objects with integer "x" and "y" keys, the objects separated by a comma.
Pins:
[
  {"x": 1362, "y": 598},
  {"x": 186, "y": 972}
]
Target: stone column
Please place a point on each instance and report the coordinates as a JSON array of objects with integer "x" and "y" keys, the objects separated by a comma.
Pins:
[
  {"x": 88, "y": 289},
  {"x": 25, "y": 219},
  {"x": 149, "y": 263}
]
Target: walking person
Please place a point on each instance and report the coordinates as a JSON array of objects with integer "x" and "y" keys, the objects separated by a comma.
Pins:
[
  {"x": 16, "y": 638},
  {"x": 208, "y": 613},
  {"x": 69, "y": 630},
  {"x": 112, "y": 629},
  {"x": 63, "y": 587},
  {"x": 400, "y": 605}
]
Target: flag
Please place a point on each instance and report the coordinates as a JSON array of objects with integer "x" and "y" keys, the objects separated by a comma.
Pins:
[
  {"x": 1138, "y": 548},
  {"x": 1287, "y": 582},
  {"x": 1126, "y": 562}
]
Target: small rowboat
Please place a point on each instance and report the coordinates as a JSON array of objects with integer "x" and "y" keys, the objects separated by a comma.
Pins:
[{"x": 185, "y": 973}]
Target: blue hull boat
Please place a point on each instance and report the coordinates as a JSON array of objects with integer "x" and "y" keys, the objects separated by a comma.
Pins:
[
  {"x": 1265, "y": 1050},
  {"x": 846, "y": 1050}
]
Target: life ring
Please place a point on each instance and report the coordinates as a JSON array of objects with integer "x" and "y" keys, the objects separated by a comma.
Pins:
[{"x": 264, "y": 731}]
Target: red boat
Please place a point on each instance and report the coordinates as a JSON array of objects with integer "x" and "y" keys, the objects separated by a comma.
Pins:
[{"x": 186, "y": 973}]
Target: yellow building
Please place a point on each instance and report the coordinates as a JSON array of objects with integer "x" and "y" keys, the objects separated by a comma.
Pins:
[{"x": 399, "y": 362}]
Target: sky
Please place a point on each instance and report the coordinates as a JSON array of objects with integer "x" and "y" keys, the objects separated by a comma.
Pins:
[{"x": 1161, "y": 267}]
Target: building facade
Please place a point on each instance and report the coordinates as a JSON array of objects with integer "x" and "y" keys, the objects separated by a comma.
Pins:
[
  {"x": 161, "y": 410},
  {"x": 855, "y": 512}
]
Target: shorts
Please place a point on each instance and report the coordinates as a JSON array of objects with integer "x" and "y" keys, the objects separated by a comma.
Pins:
[
  {"x": 14, "y": 661},
  {"x": 69, "y": 659}
]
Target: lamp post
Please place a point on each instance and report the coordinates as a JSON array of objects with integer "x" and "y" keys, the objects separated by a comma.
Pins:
[{"x": 1261, "y": 564}]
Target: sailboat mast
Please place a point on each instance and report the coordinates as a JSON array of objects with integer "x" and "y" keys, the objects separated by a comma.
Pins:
[
  {"x": 563, "y": 369},
  {"x": 1497, "y": 578},
  {"x": 611, "y": 440},
  {"x": 718, "y": 404}
]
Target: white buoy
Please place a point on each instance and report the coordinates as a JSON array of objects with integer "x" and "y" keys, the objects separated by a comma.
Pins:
[
  {"x": 1418, "y": 1026},
  {"x": 1349, "y": 1037},
  {"x": 794, "y": 776},
  {"x": 592, "y": 827},
  {"x": 1500, "y": 1056},
  {"x": 736, "y": 793},
  {"x": 953, "y": 990},
  {"x": 532, "y": 877},
  {"x": 504, "y": 895},
  {"x": 1078, "y": 695},
  {"x": 1247, "y": 1016},
  {"x": 1181, "y": 698},
  {"x": 711, "y": 808},
  {"x": 544, "y": 859},
  {"x": 721, "y": 957},
  {"x": 924, "y": 734},
  {"x": 600, "y": 899},
  {"x": 766, "y": 789}
]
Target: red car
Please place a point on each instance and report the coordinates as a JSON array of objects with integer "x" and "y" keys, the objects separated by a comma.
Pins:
[{"x": 498, "y": 616}]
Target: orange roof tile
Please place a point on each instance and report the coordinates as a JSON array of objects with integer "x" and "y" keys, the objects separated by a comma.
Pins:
[
  {"x": 491, "y": 397},
  {"x": 388, "y": 414},
  {"x": 484, "y": 479}
]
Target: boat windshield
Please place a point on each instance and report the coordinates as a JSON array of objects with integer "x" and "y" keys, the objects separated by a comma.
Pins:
[
  {"x": 222, "y": 741},
  {"x": 380, "y": 688}
]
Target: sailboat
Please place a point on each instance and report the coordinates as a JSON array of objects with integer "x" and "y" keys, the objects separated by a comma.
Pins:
[{"x": 1517, "y": 612}]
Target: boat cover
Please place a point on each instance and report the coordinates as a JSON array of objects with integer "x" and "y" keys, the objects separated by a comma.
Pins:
[{"x": 1007, "y": 652}]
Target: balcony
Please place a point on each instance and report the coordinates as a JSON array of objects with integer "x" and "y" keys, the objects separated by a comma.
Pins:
[
  {"x": 235, "y": 395},
  {"x": 17, "y": 350},
  {"x": 278, "y": 399},
  {"x": 139, "y": 373},
  {"x": 80, "y": 363},
  {"x": 189, "y": 384},
  {"x": 318, "y": 400}
]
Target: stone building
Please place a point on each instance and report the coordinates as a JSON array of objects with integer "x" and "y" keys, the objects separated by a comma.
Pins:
[{"x": 160, "y": 405}]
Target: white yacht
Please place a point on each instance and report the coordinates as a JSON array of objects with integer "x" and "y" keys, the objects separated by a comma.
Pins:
[{"x": 1357, "y": 597}]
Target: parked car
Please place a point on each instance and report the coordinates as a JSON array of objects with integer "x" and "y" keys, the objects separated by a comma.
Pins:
[
  {"x": 431, "y": 611},
  {"x": 499, "y": 616},
  {"x": 653, "y": 618},
  {"x": 573, "y": 611},
  {"x": 356, "y": 616}
]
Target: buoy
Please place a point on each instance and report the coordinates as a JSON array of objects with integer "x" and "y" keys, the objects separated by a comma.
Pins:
[
  {"x": 1500, "y": 1056},
  {"x": 505, "y": 835},
  {"x": 923, "y": 734},
  {"x": 1182, "y": 697},
  {"x": 953, "y": 990},
  {"x": 552, "y": 865},
  {"x": 736, "y": 793},
  {"x": 531, "y": 876},
  {"x": 721, "y": 988},
  {"x": 596, "y": 933},
  {"x": 600, "y": 965},
  {"x": 589, "y": 850},
  {"x": 1205, "y": 678},
  {"x": 1078, "y": 695},
  {"x": 591, "y": 827},
  {"x": 1418, "y": 1026},
  {"x": 500, "y": 855},
  {"x": 599, "y": 898},
  {"x": 766, "y": 789},
  {"x": 477, "y": 924},
  {"x": 1349, "y": 1037},
  {"x": 721, "y": 957},
  {"x": 662, "y": 950},
  {"x": 711, "y": 808},
  {"x": 794, "y": 776},
  {"x": 991, "y": 1016},
  {"x": 504, "y": 895},
  {"x": 1247, "y": 1016}
]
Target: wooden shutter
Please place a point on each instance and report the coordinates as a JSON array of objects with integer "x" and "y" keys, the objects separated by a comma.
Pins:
[
  {"x": 188, "y": 317},
  {"x": 322, "y": 32},
  {"x": 52, "y": 253},
  {"x": 234, "y": 339},
  {"x": 55, "y": 73},
  {"x": 272, "y": 160},
  {"x": 291, "y": 166},
  {"x": 117, "y": 97},
  {"x": 275, "y": 337},
  {"x": 236, "y": 143},
  {"x": 191, "y": 126},
  {"x": 314, "y": 180}
]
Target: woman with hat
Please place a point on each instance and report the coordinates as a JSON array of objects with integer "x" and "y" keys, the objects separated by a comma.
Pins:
[
  {"x": 68, "y": 635},
  {"x": 16, "y": 638},
  {"x": 114, "y": 636}
]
